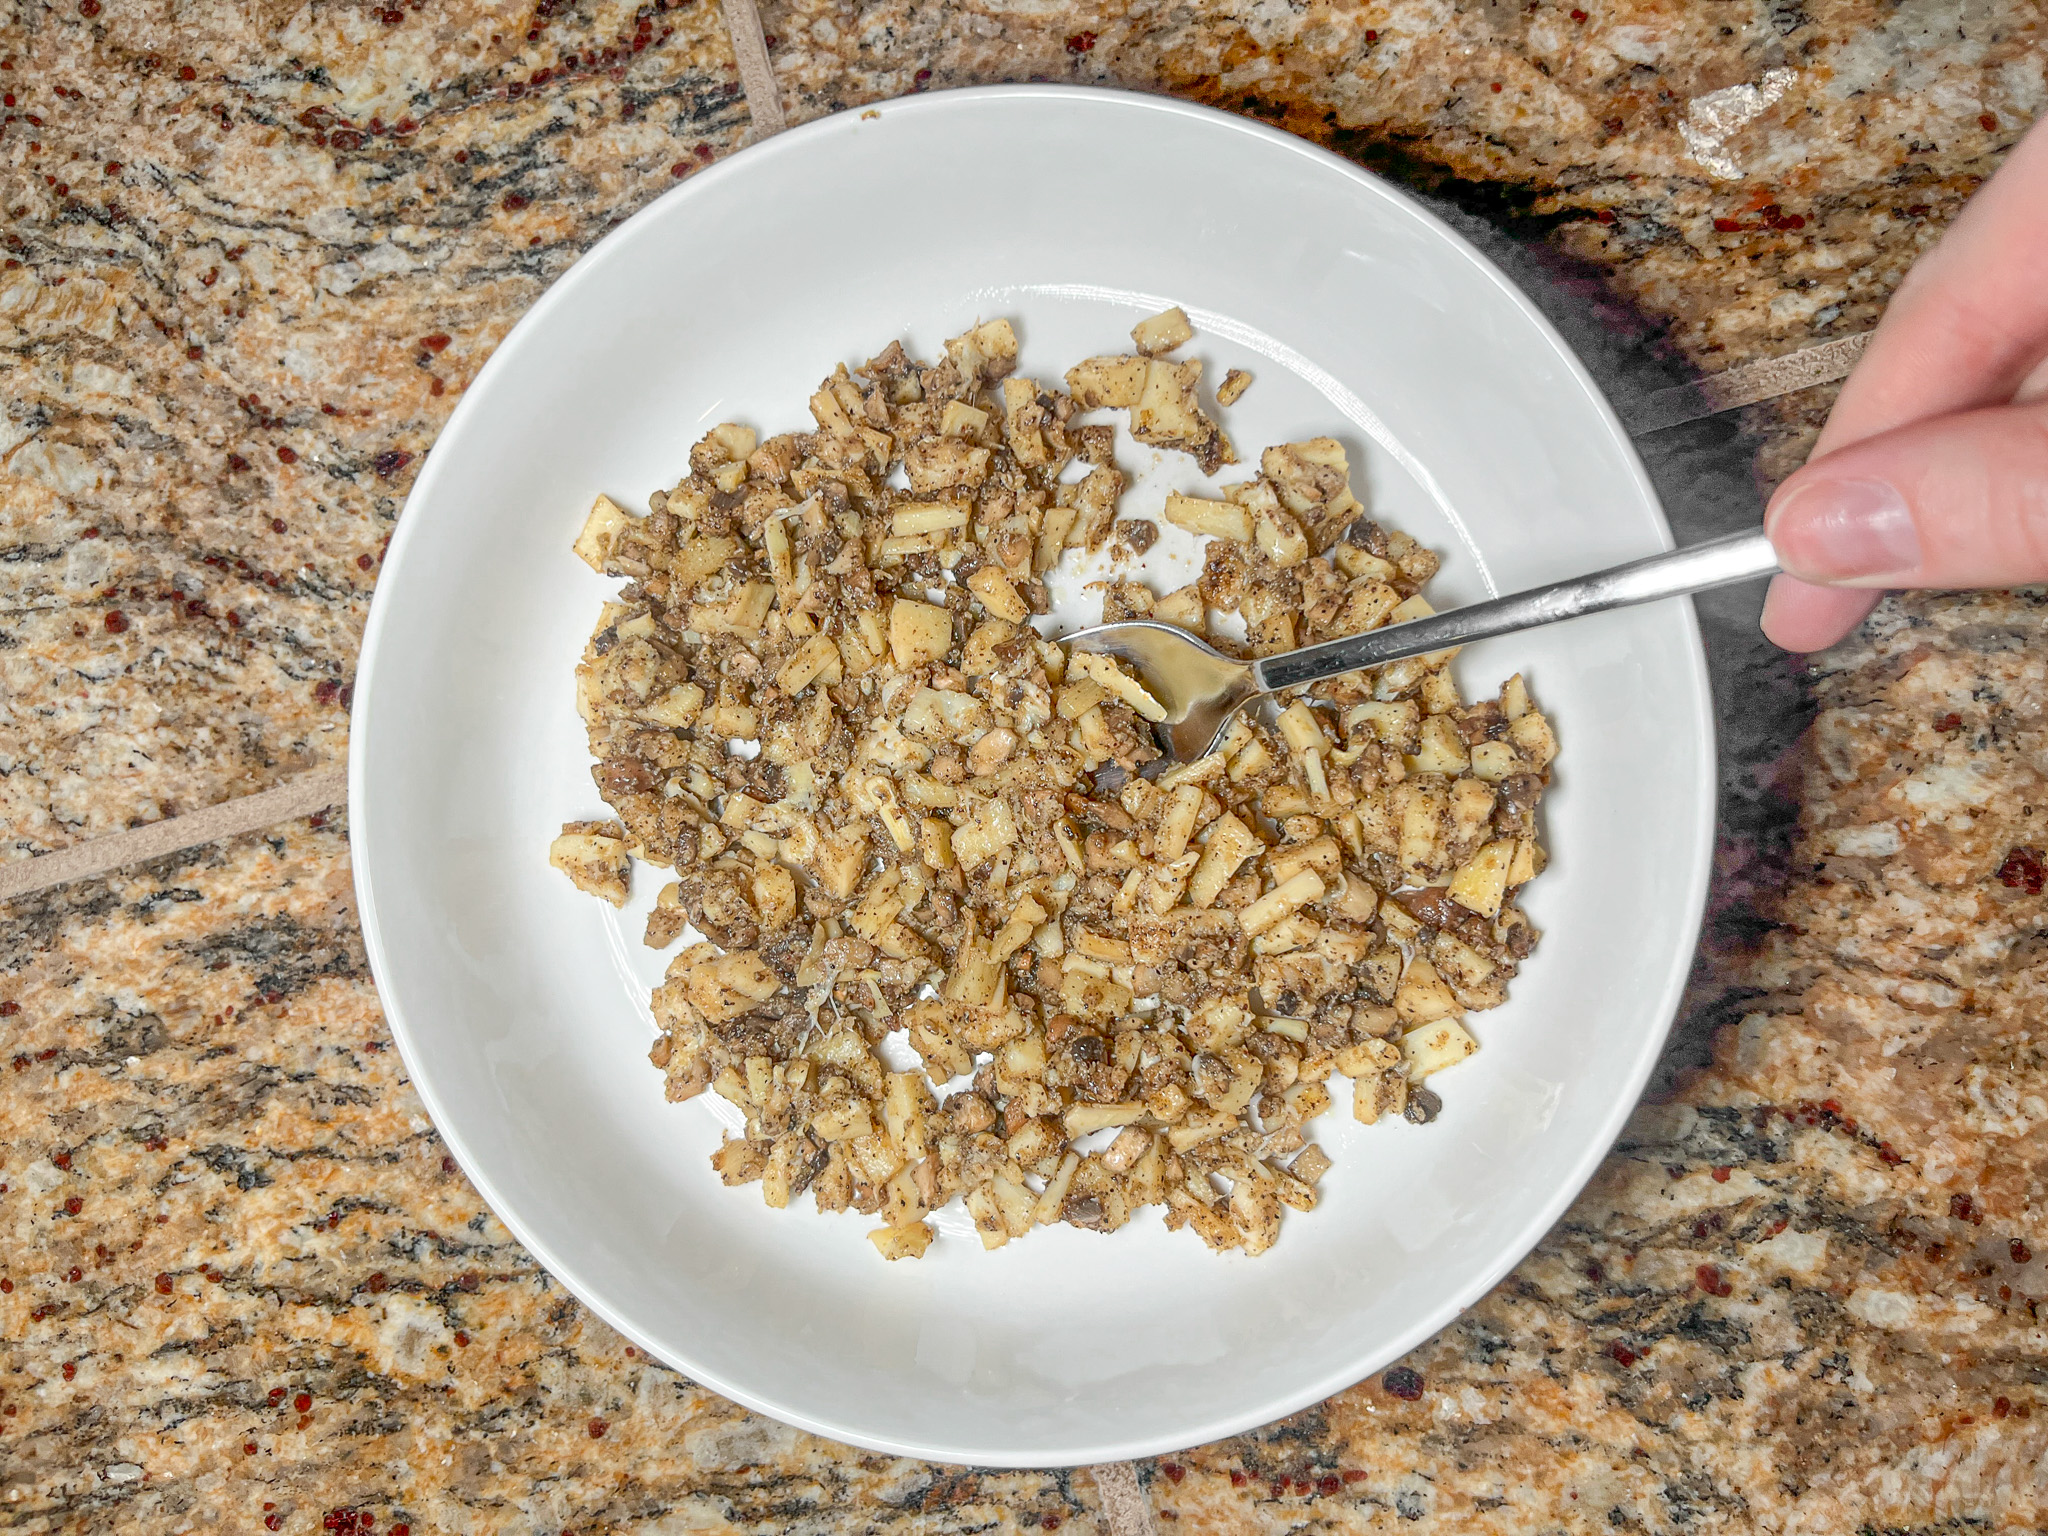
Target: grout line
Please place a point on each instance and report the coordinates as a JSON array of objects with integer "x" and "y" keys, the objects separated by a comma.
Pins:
[
  {"x": 1125, "y": 1508},
  {"x": 757, "y": 75},
  {"x": 1822, "y": 364},
  {"x": 230, "y": 818}
]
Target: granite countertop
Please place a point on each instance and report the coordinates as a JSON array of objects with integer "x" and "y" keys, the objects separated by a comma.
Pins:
[{"x": 254, "y": 253}]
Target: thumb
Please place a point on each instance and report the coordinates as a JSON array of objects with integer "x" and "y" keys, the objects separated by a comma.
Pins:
[{"x": 1956, "y": 501}]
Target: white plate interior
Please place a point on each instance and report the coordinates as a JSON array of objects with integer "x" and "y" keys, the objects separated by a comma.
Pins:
[{"x": 520, "y": 1004}]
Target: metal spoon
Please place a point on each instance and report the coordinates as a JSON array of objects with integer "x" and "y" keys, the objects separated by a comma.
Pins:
[{"x": 1201, "y": 688}]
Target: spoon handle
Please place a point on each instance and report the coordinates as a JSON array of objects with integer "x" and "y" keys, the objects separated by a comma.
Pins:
[{"x": 1716, "y": 563}]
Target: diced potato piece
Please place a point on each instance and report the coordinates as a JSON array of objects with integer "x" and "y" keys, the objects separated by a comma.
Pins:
[
  {"x": 699, "y": 558},
  {"x": 1081, "y": 1119},
  {"x": 815, "y": 658},
  {"x": 1177, "y": 823},
  {"x": 902, "y": 1242},
  {"x": 1494, "y": 761},
  {"x": 1531, "y": 734},
  {"x": 1524, "y": 867},
  {"x": 1183, "y": 606},
  {"x": 986, "y": 353},
  {"x": 1162, "y": 332},
  {"x": 1394, "y": 721},
  {"x": 1289, "y": 896},
  {"x": 962, "y": 420},
  {"x": 1481, "y": 882},
  {"x": 1076, "y": 699},
  {"x": 1279, "y": 538},
  {"x": 594, "y": 862},
  {"x": 919, "y": 633},
  {"x": 1434, "y": 1047},
  {"x": 1514, "y": 697},
  {"x": 1422, "y": 997},
  {"x": 1168, "y": 415},
  {"x": 1440, "y": 748},
  {"x": 1105, "y": 671},
  {"x": 1218, "y": 519},
  {"x": 927, "y": 517},
  {"x": 1230, "y": 843},
  {"x": 601, "y": 530},
  {"x": 843, "y": 1120},
  {"x": 738, "y": 442},
  {"x": 1054, "y": 1196},
  {"x": 1232, "y": 389},
  {"x": 677, "y": 708},
  {"x": 997, "y": 594},
  {"x": 1301, "y": 730},
  {"x": 1106, "y": 382}
]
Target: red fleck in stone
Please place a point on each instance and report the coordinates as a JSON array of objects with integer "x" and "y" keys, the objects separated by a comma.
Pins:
[
  {"x": 2021, "y": 1253},
  {"x": 514, "y": 201},
  {"x": 1621, "y": 1354},
  {"x": 597, "y": 1429},
  {"x": 7, "y": 1287},
  {"x": 1794, "y": 221},
  {"x": 1721, "y": 1174},
  {"x": 435, "y": 343},
  {"x": 1279, "y": 1489},
  {"x": 2023, "y": 869},
  {"x": 1605, "y": 215},
  {"x": 113, "y": 167},
  {"x": 1354, "y": 1475},
  {"x": 116, "y": 622},
  {"x": 273, "y": 1522},
  {"x": 1578, "y": 15},
  {"x": 163, "y": 1285},
  {"x": 9, "y": 1009},
  {"x": 234, "y": 619},
  {"x": 1050, "y": 1522},
  {"x": 449, "y": 1165},
  {"x": 1327, "y": 1486},
  {"x": 70, "y": 1371},
  {"x": 303, "y": 1401},
  {"x": 1728, "y": 226},
  {"x": 236, "y": 461},
  {"x": 287, "y": 456},
  {"x": 1371, "y": 36},
  {"x": 62, "y": 1160},
  {"x": 922, "y": 77},
  {"x": 325, "y": 690},
  {"x": 436, "y": 387},
  {"x": 2000, "y": 1407},
  {"x": 1708, "y": 1277},
  {"x": 187, "y": 72},
  {"x": 680, "y": 168},
  {"x": 1080, "y": 43},
  {"x": 1960, "y": 1208},
  {"x": 468, "y": 1280},
  {"x": 390, "y": 463},
  {"x": 277, "y": 525},
  {"x": 377, "y": 1283},
  {"x": 364, "y": 562},
  {"x": 73, "y": 1206},
  {"x": 1950, "y": 722},
  {"x": 401, "y": 1529},
  {"x": 193, "y": 354},
  {"x": 2005, "y": 1293},
  {"x": 248, "y": 1447},
  {"x": 1237, "y": 1479},
  {"x": 1496, "y": 87},
  {"x": 1173, "y": 1470},
  {"x": 1403, "y": 1382},
  {"x": 461, "y": 1339},
  {"x": 75, "y": 1274},
  {"x": 1987, "y": 122},
  {"x": 277, "y": 1394}
]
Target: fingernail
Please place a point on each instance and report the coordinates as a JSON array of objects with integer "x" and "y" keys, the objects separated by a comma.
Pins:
[{"x": 1845, "y": 531}]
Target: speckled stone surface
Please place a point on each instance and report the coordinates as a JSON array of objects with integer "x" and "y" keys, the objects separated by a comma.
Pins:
[{"x": 254, "y": 253}]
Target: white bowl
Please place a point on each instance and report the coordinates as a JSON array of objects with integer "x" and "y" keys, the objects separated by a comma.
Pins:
[{"x": 520, "y": 1004}]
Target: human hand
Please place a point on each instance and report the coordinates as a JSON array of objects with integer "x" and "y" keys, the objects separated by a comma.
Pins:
[{"x": 1933, "y": 468}]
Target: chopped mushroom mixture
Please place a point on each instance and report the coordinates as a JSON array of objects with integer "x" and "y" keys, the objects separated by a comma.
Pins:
[{"x": 889, "y": 805}]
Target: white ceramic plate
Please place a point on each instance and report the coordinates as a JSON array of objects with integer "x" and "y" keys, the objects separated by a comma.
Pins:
[{"x": 520, "y": 1004}]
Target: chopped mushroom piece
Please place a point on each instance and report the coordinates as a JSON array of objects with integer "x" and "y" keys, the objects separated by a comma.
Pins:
[{"x": 886, "y": 803}]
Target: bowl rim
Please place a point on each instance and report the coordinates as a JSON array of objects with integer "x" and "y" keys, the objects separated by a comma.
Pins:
[{"x": 1457, "y": 1299}]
